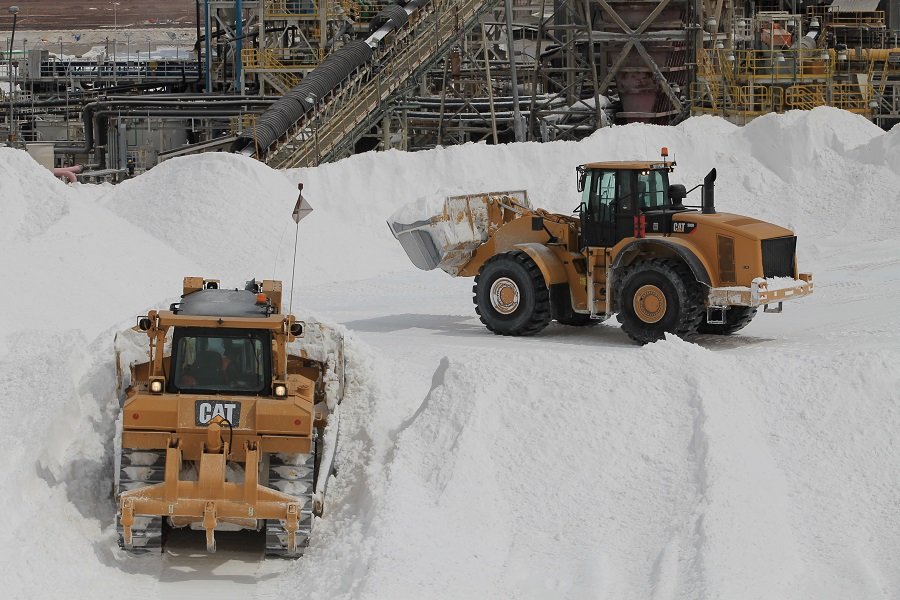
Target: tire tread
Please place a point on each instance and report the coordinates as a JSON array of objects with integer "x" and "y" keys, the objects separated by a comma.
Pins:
[
  {"x": 692, "y": 309},
  {"x": 541, "y": 316}
]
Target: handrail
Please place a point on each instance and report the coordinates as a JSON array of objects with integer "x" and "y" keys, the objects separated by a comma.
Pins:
[
  {"x": 804, "y": 97},
  {"x": 846, "y": 18},
  {"x": 745, "y": 101},
  {"x": 308, "y": 9}
]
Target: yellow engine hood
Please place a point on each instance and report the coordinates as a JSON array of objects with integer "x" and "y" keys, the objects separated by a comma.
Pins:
[{"x": 738, "y": 225}]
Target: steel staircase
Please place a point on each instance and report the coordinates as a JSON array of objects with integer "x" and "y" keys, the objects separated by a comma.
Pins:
[{"x": 332, "y": 127}]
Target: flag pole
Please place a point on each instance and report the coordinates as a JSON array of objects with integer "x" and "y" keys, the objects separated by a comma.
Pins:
[
  {"x": 301, "y": 210},
  {"x": 294, "y": 268}
]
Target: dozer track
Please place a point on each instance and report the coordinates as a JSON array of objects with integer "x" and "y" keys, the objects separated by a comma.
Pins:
[
  {"x": 294, "y": 475},
  {"x": 137, "y": 469}
]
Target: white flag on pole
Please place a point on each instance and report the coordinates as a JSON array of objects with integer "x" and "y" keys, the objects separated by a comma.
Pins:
[{"x": 302, "y": 208}]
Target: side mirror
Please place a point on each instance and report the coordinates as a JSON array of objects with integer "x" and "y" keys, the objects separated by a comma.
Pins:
[
  {"x": 297, "y": 329},
  {"x": 144, "y": 323},
  {"x": 581, "y": 175}
]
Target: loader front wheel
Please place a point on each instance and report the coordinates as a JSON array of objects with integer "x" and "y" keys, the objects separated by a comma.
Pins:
[
  {"x": 656, "y": 297},
  {"x": 511, "y": 296}
]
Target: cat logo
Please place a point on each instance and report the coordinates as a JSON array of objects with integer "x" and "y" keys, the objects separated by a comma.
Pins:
[
  {"x": 206, "y": 410},
  {"x": 683, "y": 227}
]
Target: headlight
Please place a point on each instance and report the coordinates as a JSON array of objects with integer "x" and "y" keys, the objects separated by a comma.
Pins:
[
  {"x": 280, "y": 390},
  {"x": 156, "y": 386}
]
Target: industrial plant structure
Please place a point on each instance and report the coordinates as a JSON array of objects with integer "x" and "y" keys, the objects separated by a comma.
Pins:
[{"x": 301, "y": 82}]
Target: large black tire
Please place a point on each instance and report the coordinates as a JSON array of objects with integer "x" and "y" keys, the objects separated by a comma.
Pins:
[
  {"x": 511, "y": 296},
  {"x": 656, "y": 297},
  {"x": 735, "y": 319}
]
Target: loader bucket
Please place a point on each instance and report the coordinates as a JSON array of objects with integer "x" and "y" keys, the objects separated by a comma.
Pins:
[
  {"x": 447, "y": 234},
  {"x": 418, "y": 244}
]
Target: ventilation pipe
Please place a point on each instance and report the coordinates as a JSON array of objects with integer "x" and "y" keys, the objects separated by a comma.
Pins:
[{"x": 709, "y": 193}]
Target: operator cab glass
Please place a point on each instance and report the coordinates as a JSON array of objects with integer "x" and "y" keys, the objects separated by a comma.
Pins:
[
  {"x": 607, "y": 205},
  {"x": 601, "y": 190},
  {"x": 220, "y": 361},
  {"x": 611, "y": 200},
  {"x": 653, "y": 190},
  {"x": 599, "y": 194}
]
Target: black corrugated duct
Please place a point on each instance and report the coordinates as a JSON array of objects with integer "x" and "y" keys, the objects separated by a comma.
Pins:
[
  {"x": 288, "y": 109},
  {"x": 392, "y": 15}
]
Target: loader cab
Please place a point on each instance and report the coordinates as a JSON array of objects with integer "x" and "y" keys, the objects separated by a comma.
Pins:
[{"x": 615, "y": 197}]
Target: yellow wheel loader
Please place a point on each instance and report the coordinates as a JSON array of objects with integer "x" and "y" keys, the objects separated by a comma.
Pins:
[
  {"x": 224, "y": 405},
  {"x": 632, "y": 248}
]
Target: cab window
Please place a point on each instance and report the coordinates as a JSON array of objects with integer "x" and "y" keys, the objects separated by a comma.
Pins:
[
  {"x": 653, "y": 189},
  {"x": 224, "y": 361},
  {"x": 600, "y": 194}
]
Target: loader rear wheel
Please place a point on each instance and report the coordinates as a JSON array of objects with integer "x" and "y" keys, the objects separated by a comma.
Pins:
[
  {"x": 656, "y": 297},
  {"x": 511, "y": 296},
  {"x": 736, "y": 318}
]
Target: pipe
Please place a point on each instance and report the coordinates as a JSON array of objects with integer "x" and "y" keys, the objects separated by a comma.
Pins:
[
  {"x": 878, "y": 54},
  {"x": 199, "y": 58},
  {"x": 65, "y": 173},
  {"x": 709, "y": 193},
  {"x": 69, "y": 173},
  {"x": 91, "y": 108},
  {"x": 222, "y": 102},
  {"x": 208, "y": 47},
  {"x": 123, "y": 145},
  {"x": 179, "y": 114},
  {"x": 239, "y": 45},
  {"x": 87, "y": 117}
]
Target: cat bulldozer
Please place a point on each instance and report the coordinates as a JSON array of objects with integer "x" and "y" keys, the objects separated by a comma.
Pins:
[
  {"x": 228, "y": 418},
  {"x": 632, "y": 249}
]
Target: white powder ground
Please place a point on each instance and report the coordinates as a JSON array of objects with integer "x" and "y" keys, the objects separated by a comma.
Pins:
[{"x": 572, "y": 464}]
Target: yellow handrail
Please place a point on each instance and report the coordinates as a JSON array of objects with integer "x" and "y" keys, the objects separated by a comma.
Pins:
[
  {"x": 308, "y": 9},
  {"x": 804, "y": 97},
  {"x": 282, "y": 59},
  {"x": 828, "y": 17}
]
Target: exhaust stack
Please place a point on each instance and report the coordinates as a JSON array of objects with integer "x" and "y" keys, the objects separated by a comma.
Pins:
[{"x": 709, "y": 193}]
